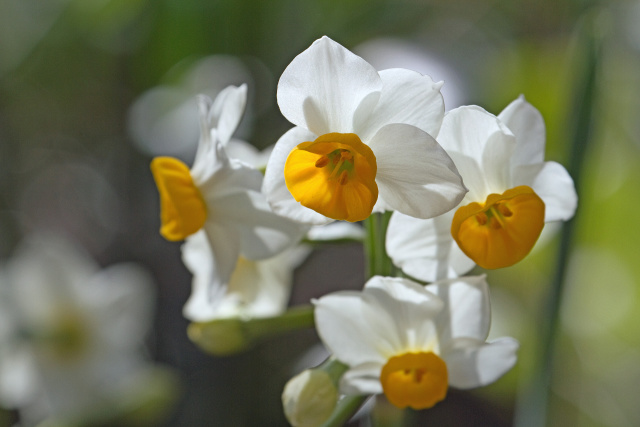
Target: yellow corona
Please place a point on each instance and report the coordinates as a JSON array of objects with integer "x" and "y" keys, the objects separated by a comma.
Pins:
[
  {"x": 417, "y": 380},
  {"x": 334, "y": 175},
  {"x": 501, "y": 231},
  {"x": 182, "y": 208}
]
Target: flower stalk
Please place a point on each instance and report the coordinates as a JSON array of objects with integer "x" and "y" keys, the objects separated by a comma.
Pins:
[{"x": 223, "y": 337}]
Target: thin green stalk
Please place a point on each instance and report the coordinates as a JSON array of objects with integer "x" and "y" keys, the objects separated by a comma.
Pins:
[
  {"x": 300, "y": 317},
  {"x": 345, "y": 410},
  {"x": 234, "y": 335},
  {"x": 370, "y": 246},
  {"x": 378, "y": 262},
  {"x": 534, "y": 401}
]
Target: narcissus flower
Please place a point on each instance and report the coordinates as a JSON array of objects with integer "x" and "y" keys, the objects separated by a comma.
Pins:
[
  {"x": 512, "y": 193},
  {"x": 411, "y": 342},
  {"x": 361, "y": 143},
  {"x": 71, "y": 335},
  {"x": 220, "y": 196}
]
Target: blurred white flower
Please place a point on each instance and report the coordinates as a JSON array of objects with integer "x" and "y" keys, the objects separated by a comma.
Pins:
[
  {"x": 71, "y": 335},
  {"x": 411, "y": 342},
  {"x": 220, "y": 197},
  {"x": 164, "y": 119},
  {"x": 358, "y": 133},
  {"x": 386, "y": 52},
  {"x": 512, "y": 193}
]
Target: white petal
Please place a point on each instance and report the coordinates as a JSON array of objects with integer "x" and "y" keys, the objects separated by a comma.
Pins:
[
  {"x": 481, "y": 146},
  {"x": 264, "y": 286},
  {"x": 232, "y": 177},
  {"x": 211, "y": 256},
  {"x": 208, "y": 158},
  {"x": 344, "y": 325},
  {"x": 227, "y": 110},
  {"x": 362, "y": 379},
  {"x": 256, "y": 289},
  {"x": 248, "y": 154},
  {"x": 274, "y": 186},
  {"x": 336, "y": 231},
  {"x": 474, "y": 364},
  {"x": 322, "y": 88},
  {"x": 19, "y": 382},
  {"x": 407, "y": 97},
  {"x": 467, "y": 312},
  {"x": 197, "y": 257},
  {"x": 527, "y": 124},
  {"x": 554, "y": 185},
  {"x": 424, "y": 248},
  {"x": 262, "y": 233},
  {"x": 496, "y": 162},
  {"x": 412, "y": 311},
  {"x": 121, "y": 299},
  {"x": 415, "y": 175}
]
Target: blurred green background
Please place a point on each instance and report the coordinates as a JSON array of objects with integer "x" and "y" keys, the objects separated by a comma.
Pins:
[{"x": 91, "y": 90}]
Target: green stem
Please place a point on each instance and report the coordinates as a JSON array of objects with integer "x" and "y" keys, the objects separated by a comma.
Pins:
[
  {"x": 534, "y": 401},
  {"x": 345, "y": 410},
  {"x": 234, "y": 335},
  {"x": 334, "y": 368},
  {"x": 388, "y": 269},
  {"x": 295, "y": 318},
  {"x": 378, "y": 262},
  {"x": 370, "y": 246}
]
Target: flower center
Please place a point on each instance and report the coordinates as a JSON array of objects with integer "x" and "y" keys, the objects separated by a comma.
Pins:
[
  {"x": 418, "y": 380},
  {"x": 182, "y": 208},
  {"x": 69, "y": 338},
  {"x": 65, "y": 338},
  {"x": 334, "y": 175},
  {"x": 502, "y": 231}
]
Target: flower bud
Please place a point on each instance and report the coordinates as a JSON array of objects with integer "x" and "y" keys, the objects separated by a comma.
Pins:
[
  {"x": 309, "y": 398},
  {"x": 221, "y": 337}
]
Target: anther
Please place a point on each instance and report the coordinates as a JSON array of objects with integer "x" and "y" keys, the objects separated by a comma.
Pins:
[
  {"x": 346, "y": 155},
  {"x": 494, "y": 223},
  {"x": 344, "y": 177},
  {"x": 322, "y": 162},
  {"x": 504, "y": 210},
  {"x": 481, "y": 218}
]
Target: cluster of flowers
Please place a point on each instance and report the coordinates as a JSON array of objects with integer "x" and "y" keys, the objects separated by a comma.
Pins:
[{"x": 465, "y": 188}]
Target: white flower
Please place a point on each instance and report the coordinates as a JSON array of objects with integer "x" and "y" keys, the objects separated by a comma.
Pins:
[
  {"x": 361, "y": 143},
  {"x": 411, "y": 342},
  {"x": 220, "y": 196},
  {"x": 512, "y": 193},
  {"x": 71, "y": 336},
  {"x": 255, "y": 288}
]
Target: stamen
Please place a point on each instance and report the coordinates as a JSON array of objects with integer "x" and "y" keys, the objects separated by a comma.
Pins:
[
  {"x": 344, "y": 178},
  {"x": 494, "y": 223},
  {"x": 346, "y": 155},
  {"x": 481, "y": 218},
  {"x": 504, "y": 210},
  {"x": 322, "y": 162}
]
